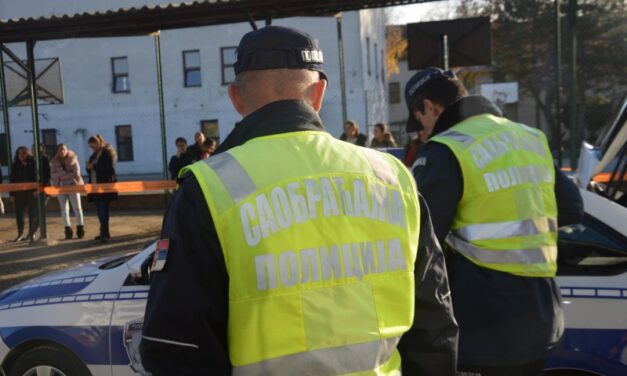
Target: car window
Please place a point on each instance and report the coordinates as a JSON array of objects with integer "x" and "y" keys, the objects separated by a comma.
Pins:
[
  {"x": 612, "y": 183},
  {"x": 613, "y": 126},
  {"x": 591, "y": 248}
]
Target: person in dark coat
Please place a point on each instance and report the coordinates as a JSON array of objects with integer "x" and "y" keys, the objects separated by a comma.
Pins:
[
  {"x": 195, "y": 151},
  {"x": 181, "y": 159},
  {"x": 353, "y": 135},
  {"x": 44, "y": 164},
  {"x": 23, "y": 171},
  {"x": 508, "y": 324},
  {"x": 101, "y": 169}
]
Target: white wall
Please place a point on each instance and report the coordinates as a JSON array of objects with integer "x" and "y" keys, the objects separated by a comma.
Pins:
[{"x": 90, "y": 107}]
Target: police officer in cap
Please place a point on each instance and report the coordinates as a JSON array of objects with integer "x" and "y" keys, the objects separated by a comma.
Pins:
[
  {"x": 496, "y": 202},
  {"x": 291, "y": 253}
]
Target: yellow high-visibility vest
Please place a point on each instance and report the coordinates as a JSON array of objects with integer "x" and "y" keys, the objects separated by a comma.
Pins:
[
  {"x": 507, "y": 217},
  {"x": 320, "y": 239}
]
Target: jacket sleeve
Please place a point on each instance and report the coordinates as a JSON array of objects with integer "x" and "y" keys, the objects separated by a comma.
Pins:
[
  {"x": 72, "y": 172},
  {"x": 185, "y": 324},
  {"x": 56, "y": 172},
  {"x": 569, "y": 201},
  {"x": 172, "y": 166},
  {"x": 439, "y": 180},
  {"x": 45, "y": 171},
  {"x": 430, "y": 346}
]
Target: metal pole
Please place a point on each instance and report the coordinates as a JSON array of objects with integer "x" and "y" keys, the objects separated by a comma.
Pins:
[
  {"x": 444, "y": 51},
  {"x": 5, "y": 112},
  {"x": 340, "y": 48},
  {"x": 164, "y": 149},
  {"x": 557, "y": 132},
  {"x": 30, "y": 46},
  {"x": 572, "y": 17}
]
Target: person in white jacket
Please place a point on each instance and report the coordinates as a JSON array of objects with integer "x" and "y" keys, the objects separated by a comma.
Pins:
[{"x": 65, "y": 170}]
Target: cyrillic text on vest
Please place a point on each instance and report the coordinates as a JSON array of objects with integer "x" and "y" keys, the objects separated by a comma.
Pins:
[
  {"x": 490, "y": 148},
  {"x": 285, "y": 205},
  {"x": 328, "y": 262}
]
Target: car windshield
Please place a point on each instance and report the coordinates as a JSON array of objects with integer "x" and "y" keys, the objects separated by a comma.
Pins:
[{"x": 612, "y": 181}]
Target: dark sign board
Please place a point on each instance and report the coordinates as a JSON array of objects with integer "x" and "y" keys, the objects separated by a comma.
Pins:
[{"x": 468, "y": 42}]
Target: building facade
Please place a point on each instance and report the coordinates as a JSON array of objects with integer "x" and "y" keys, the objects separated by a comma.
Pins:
[{"x": 109, "y": 85}]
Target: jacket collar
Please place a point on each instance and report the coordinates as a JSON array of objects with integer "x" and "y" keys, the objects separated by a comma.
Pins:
[
  {"x": 463, "y": 109},
  {"x": 277, "y": 117}
]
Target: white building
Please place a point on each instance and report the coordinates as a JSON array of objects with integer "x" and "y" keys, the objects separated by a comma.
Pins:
[{"x": 110, "y": 84}]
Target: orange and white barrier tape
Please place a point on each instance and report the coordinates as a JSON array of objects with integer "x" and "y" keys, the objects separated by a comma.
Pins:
[
  {"x": 118, "y": 187},
  {"x": 18, "y": 187}
]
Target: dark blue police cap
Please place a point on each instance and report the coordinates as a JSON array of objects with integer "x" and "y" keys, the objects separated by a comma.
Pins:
[
  {"x": 412, "y": 89},
  {"x": 275, "y": 47}
]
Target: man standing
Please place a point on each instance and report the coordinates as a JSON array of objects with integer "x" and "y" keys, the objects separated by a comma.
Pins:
[
  {"x": 497, "y": 201},
  {"x": 195, "y": 151},
  {"x": 181, "y": 159},
  {"x": 291, "y": 253}
]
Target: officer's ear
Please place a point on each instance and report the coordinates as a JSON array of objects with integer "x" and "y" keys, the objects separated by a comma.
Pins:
[
  {"x": 318, "y": 91},
  {"x": 237, "y": 99}
]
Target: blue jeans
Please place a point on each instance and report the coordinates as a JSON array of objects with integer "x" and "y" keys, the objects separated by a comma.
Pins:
[{"x": 102, "y": 207}]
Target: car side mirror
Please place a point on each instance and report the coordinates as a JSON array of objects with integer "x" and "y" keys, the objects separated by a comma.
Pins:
[{"x": 142, "y": 275}]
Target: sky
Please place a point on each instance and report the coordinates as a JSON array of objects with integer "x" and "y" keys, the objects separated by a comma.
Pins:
[{"x": 431, "y": 11}]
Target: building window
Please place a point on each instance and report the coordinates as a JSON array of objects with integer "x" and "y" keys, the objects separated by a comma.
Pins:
[
  {"x": 119, "y": 68},
  {"x": 368, "y": 56},
  {"x": 376, "y": 61},
  {"x": 395, "y": 92},
  {"x": 210, "y": 129},
  {"x": 3, "y": 150},
  {"x": 124, "y": 140},
  {"x": 228, "y": 60},
  {"x": 191, "y": 68},
  {"x": 49, "y": 138}
]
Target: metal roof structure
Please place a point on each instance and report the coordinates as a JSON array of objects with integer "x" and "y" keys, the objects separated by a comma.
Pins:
[{"x": 148, "y": 19}]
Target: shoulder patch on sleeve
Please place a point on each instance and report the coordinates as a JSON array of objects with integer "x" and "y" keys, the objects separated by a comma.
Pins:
[
  {"x": 420, "y": 162},
  {"x": 160, "y": 255}
]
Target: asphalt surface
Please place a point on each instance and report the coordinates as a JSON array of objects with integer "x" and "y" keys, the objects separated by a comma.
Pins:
[{"x": 21, "y": 261}]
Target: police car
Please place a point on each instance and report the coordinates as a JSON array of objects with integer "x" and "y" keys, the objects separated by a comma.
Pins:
[{"x": 87, "y": 320}]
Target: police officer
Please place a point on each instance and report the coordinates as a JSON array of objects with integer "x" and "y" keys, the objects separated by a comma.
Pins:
[
  {"x": 291, "y": 253},
  {"x": 496, "y": 201}
]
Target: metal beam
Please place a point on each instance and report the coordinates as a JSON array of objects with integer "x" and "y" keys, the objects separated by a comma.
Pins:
[
  {"x": 32, "y": 83},
  {"x": 574, "y": 129},
  {"x": 164, "y": 147},
  {"x": 340, "y": 47},
  {"x": 14, "y": 57},
  {"x": 5, "y": 112},
  {"x": 557, "y": 131}
]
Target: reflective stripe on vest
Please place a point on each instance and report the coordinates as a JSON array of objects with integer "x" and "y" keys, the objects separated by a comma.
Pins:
[
  {"x": 320, "y": 253},
  {"x": 526, "y": 256},
  {"x": 332, "y": 361},
  {"x": 233, "y": 176},
  {"x": 506, "y": 219},
  {"x": 508, "y": 229}
]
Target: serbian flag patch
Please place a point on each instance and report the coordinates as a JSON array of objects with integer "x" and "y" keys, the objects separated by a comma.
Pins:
[{"x": 160, "y": 255}]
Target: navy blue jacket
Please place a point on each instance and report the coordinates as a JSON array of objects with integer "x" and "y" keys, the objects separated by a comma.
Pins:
[
  {"x": 503, "y": 319},
  {"x": 186, "y": 315}
]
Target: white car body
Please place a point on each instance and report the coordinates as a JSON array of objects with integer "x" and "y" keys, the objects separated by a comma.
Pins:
[{"x": 95, "y": 311}]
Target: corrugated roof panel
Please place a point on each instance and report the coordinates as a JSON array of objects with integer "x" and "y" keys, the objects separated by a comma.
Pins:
[{"x": 150, "y": 18}]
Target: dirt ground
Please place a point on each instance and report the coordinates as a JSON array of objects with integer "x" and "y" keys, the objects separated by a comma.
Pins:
[{"x": 22, "y": 261}]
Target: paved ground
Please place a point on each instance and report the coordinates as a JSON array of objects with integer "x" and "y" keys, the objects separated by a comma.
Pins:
[{"x": 22, "y": 261}]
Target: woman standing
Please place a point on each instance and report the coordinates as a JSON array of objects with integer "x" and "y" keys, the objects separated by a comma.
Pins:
[
  {"x": 382, "y": 137},
  {"x": 66, "y": 171},
  {"x": 23, "y": 171},
  {"x": 351, "y": 134},
  {"x": 101, "y": 169}
]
